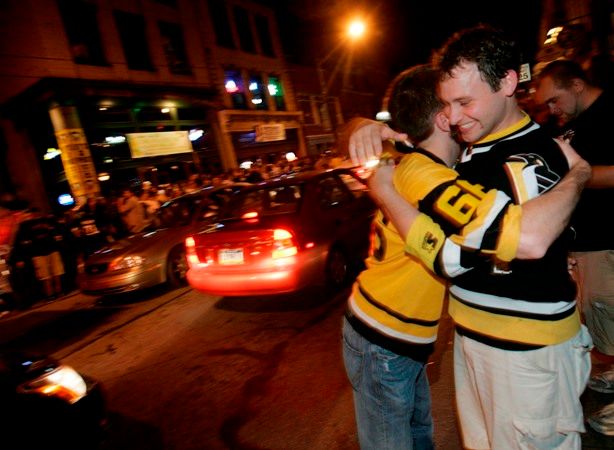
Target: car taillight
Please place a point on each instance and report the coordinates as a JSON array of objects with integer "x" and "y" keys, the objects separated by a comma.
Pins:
[
  {"x": 192, "y": 255},
  {"x": 250, "y": 215},
  {"x": 283, "y": 244},
  {"x": 190, "y": 250}
]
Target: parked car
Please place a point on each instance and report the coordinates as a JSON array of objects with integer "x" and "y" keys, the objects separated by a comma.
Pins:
[
  {"x": 157, "y": 255},
  {"x": 283, "y": 235},
  {"x": 46, "y": 404}
]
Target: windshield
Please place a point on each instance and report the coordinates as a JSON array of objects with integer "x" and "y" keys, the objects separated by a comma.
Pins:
[{"x": 264, "y": 202}]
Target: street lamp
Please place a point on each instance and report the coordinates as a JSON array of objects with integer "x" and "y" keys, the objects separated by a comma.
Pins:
[{"x": 355, "y": 29}]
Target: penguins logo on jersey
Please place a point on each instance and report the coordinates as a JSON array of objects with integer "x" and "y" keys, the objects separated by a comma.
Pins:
[
  {"x": 429, "y": 242},
  {"x": 529, "y": 175}
]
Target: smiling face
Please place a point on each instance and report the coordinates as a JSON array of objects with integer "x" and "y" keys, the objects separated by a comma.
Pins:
[{"x": 473, "y": 107}]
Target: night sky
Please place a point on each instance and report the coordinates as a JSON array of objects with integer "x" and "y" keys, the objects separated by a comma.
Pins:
[{"x": 401, "y": 33}]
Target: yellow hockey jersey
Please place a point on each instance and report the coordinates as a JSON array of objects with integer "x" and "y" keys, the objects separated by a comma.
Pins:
[{"x": 398, "y": 295}]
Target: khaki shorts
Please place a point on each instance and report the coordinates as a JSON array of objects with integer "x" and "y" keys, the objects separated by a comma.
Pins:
[
  {"x": 48, "y": 266},
  {"x": 594, "y": 274},
  {"x": 521, "y": 400}
]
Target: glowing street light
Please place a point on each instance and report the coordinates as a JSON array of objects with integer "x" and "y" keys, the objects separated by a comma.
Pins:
[{"x": 356, "y": 29}]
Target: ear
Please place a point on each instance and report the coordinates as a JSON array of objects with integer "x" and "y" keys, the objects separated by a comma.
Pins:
[
  {"x": 577, "y": 85},
  {"x": 442, "y": 122},
  {"x": 509, "y": 83}
]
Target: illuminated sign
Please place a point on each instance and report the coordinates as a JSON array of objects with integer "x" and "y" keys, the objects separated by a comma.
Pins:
[
  {"x": 143, "y": 145},
  {"x": 270, "y": 132}
]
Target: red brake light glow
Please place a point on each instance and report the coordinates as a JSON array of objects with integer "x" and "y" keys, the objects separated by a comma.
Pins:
[
  {"x": 250, "y": 215},
  {"x": 190, "y": 250},
  {"x": 284, "y": 245}
]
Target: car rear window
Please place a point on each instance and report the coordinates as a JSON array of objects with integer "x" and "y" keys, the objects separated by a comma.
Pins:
[
  {"x": 178, "y": 212},
  {"x": 266, "y": 201}
]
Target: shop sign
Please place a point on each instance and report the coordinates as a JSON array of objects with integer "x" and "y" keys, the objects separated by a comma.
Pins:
[
  {"x": 525, "y": 73},
  {"x": 143, "y": 145},
  {"x": 270, "y": 132}
]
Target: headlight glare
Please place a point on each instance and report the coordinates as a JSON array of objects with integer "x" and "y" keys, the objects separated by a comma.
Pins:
[
  {"x": 63, "y": 382},
  {"x": 127, "y": 262}
]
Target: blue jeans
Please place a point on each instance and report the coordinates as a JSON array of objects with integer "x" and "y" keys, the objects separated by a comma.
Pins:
[{"x": 392, "y": 399}]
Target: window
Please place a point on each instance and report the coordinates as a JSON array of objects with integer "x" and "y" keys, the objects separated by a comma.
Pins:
[
  {"x": 81, "y": 25},
  {"x": 233, "y": 84},
  {"x": 131, "y": 29},
  {"x": 194, "y": 113},
  {"x": 221, "y": 24},
  {"x": 174, "y": 48},
  {"x": 152, "y": 114},
  {"x": 306, "y": 104},
  {"x": 256, "y": 88},
  {"x": 284, "y": 199},
  {"x": 109, "y": 114},
  {"x": 246, "y": 40},
  {"x": 332, "y": 192},
  {"x": 264, "y": 35},
  {"x": 276, "y": 92}
]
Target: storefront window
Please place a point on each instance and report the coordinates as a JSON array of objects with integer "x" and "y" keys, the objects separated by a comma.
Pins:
[
  {"x": 233, "y": 84},
  {"x": 276, "y": 92},
  {"x": 256, "y": 88}
]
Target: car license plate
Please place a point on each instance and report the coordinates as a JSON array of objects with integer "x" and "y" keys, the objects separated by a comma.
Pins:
[{"x": 230, "y": 256}]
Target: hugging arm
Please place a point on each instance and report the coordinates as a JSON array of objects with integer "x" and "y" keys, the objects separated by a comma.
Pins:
[{"x": 495, "y": 227}]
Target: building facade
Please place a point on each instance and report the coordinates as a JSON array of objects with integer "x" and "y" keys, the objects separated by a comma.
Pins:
[
  {"x": 581, "y": 31},
  {"x": 130, "y": 90}
]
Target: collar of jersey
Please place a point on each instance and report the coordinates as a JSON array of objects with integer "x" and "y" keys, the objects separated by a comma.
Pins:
[{"x": 507, "y": 131}]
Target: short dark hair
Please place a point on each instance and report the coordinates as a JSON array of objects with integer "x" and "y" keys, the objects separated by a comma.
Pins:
[
  {"x": 563, "y": 72},
  {"x": 412, "y": 102},
  {"x": 489, "y": 48}
]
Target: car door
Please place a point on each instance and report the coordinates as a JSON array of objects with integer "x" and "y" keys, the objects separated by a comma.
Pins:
[{"x": 341, "y": 215}]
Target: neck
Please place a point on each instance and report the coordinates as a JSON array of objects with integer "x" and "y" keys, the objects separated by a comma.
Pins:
[
  {"x": 442, "y": 146},
  {"x": 589, "y": 96},
  {"x": 513, "y": 114}
]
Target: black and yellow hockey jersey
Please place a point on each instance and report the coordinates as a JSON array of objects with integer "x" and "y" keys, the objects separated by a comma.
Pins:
[
  {"x": 399, "y": 296},
  {"x": 530, "y": 303}
]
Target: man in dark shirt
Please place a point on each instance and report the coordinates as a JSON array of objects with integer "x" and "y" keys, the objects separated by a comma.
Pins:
[{"x": 584, "y": 113}]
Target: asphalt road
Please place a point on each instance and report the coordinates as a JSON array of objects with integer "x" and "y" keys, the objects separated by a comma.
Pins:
[{"x": 185, "y": 371}]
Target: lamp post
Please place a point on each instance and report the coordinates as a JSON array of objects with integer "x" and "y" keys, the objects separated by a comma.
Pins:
[{"x": 355, "y": 30}]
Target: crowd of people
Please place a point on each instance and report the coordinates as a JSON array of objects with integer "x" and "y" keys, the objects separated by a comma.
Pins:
[{"x": 49, "y": 248}]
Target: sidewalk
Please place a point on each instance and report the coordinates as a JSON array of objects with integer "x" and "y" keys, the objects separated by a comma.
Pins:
[{"x": 17, "y": 322}]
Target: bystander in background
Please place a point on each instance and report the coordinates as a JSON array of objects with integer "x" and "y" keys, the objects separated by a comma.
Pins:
[{"x": 584, "y": 113}]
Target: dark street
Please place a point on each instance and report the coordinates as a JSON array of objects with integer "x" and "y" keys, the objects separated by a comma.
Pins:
[{"x": 186, "y": 371}]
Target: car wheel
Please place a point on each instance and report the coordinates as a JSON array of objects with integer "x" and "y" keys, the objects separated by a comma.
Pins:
[
  {"x": 337, "y": 268},
  {"x": 176, "y": 267}
]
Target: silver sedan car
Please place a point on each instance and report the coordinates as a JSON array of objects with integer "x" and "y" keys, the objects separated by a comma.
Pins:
[{"x": 157, "y": 255}]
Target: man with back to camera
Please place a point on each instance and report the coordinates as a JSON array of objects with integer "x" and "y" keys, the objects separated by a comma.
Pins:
[
  {"x": 584, "y": 112},
  {"x": 521, "y": 354}
]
